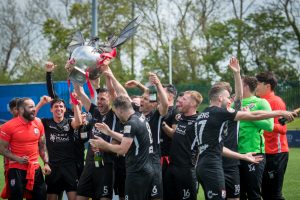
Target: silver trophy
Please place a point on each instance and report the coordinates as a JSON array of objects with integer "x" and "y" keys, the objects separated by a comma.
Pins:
[{"x": 88, "y": 58}]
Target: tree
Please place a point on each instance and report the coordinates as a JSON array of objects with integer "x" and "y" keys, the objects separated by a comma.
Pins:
[
  {"x": 78, "y": 18},
  {"x": 187, "y": 19},
  {"x": 20, "y": 30},
  {"x": 291, "y": 10}
]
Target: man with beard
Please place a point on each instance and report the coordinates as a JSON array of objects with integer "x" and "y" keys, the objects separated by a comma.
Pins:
[
  {"x": 25, "y": 137},
  {"x": 96, "y": 180},
  {"x": 61, "y": 147},
  {"x": 136, "y": 143},
  {"x": 180, "y": 180},
  {"x": 209, "y": 129},
  {"x": 231, "y": 128}
]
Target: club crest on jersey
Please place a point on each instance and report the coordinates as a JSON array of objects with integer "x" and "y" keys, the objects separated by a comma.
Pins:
[
  {"x": 36, "y": 131},
  {"x": 66, "y": 127},
  {"x": 127, "y": 129},
  {"x": 12, "y": 182},
  {"x": 177, "y": 117},
  {"x": 251, "y": 105}
]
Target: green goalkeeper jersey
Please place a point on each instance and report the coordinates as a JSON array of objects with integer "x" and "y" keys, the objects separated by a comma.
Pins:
[{"x": 251, "y": 137}]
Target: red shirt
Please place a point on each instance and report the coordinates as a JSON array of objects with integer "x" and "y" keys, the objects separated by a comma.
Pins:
[
  {"x": 23, "y": 138},
  {"x": 276, "y": 141}
]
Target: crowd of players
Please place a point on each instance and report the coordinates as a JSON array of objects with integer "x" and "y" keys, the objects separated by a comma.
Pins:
[{"x": 148, "y": 147}]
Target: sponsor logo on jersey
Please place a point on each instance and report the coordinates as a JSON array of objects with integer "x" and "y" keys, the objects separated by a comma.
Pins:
[
  {"x": 211, "y": 194},
  {"x": 59, "y": 138}
]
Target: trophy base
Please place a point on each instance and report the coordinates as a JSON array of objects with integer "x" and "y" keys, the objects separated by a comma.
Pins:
[{"x": 77, "y": 75}]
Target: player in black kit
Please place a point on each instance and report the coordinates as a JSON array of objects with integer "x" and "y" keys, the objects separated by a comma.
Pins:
[
  {"x": 168, "y": 127},
  {"x": 96, "y": 180},
  {"x": 231, "y": 128},
  {"x": 59, "y": 132},
  {"x": 79, "y": 141},
  {"x": 180, "y": 180},
  {"x": 209, "y": 132},
  {"x": 136, "y": 143},
  {"x": 154, "y": 113}
]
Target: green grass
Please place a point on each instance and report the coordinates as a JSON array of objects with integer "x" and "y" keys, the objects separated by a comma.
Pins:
[
  {"x": 294, "y": 125},
  {"x": 291, "y": 181}
]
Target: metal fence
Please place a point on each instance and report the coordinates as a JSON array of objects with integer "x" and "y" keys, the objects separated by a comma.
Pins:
[{"x": 288, "y": 91}]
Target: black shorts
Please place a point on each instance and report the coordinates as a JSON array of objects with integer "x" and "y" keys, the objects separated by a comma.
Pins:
[
  {"x": 79, "y": 166},
  {"x": 17, "y": 184},
  {"x": 274, "y": 175},
  {"x": 138, "y": 185},
  {"x": 96, "y": 182},
  {"x": 251, "y": 179},
  {"x": 211, "y": 177},
  {"x": 232, "y": 182},
  {"x": 120, "y": 175},
  {"x": 157, "y": 189},
  {"x": 63, "y": 177},
  {"x": 181, "y": 183}
]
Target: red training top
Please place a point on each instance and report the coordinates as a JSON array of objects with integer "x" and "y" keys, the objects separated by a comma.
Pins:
[
  {"x": 276, "y": 141},
  {"x": 23, "y": 139}
]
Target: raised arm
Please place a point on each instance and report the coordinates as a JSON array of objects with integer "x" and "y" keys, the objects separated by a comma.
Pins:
[
  {"x": 119, "y": 89},
  {"x": 136, "y": 84},
  {"x": 77, "y": 120},
  {"x": 238, "y": 85},
  {"x": 110, "y": 88},
  {"x": 43, "y": 100},
  {"x": 86, "y": 102},
  {"x": 163, "y": 99},
  {"x": 49, "y": 67}
]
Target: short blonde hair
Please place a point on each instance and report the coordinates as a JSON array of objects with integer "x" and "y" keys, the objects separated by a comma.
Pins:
[
  {"x": 195, "y": 95},
  {"x": 224, "y": 84}
]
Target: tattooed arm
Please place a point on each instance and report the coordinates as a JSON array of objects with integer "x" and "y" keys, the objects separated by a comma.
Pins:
[
  {"x": 7, "y": 153},
  {"x": 44, "y": 154}
]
